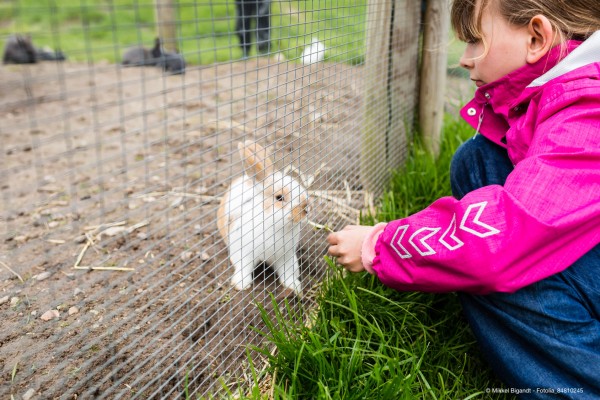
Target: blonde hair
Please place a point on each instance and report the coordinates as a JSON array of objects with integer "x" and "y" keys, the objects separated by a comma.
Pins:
[{"x": 571, "y": 19}]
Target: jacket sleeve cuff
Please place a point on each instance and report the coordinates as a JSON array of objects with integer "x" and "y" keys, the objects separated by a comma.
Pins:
[{"x": 368, "y": 246}]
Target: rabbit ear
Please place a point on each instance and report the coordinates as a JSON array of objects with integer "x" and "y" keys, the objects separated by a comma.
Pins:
[{"x": 255, "y": 159}]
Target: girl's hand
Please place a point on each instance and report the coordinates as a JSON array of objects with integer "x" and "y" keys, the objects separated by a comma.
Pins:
[{"x": 346, "y": 246}]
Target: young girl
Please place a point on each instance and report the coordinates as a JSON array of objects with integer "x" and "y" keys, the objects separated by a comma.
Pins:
[{"x": 520, "y": 238}]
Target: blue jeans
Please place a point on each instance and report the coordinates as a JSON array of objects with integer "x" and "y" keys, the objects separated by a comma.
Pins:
[{"x": 544, "y": 339}]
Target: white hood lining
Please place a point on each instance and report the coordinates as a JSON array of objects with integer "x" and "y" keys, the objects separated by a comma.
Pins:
[{"x": 587, "y": 53}]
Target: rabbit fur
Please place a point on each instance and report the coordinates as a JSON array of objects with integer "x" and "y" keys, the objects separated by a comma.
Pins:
[
  {"x": 138, "y": 56},
  {"x": 260, "y": 218},
  {"x": 19, "y": 49}
]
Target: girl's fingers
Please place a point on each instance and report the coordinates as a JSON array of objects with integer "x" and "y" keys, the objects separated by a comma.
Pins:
[
  {"x": 333, "y": 251},
  {"x": 332, "y": 238}
]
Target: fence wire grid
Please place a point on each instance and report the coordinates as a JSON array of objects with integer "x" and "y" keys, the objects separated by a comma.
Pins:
[{"x": 116, "y": 152}]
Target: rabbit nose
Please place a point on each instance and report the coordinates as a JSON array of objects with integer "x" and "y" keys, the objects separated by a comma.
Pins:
[
  {"x": 300, "y": 211},
  {"x": 305, "y": 207}
]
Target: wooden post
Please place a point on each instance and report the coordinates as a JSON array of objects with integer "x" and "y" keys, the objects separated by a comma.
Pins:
[
  {"x": 376, "y": 115},
  {"x": 433, "y": 73},
  {"x": 391, "y": 76},
  {"x": 166, "y": 24},
  {"x": 403, "y": 79}
]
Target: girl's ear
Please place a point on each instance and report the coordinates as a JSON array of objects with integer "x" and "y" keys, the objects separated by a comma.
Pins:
[{"x": 541, "y": 38}]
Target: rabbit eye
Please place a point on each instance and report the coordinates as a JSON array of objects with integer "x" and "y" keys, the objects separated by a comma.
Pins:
[{"x": 280, "y": 197}]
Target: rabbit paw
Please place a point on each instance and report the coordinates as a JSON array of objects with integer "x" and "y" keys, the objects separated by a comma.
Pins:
[{"x": 241, "y": 282}]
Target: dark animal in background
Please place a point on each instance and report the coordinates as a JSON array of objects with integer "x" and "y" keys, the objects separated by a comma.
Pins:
[
  {"x": 247, "y": 12},
  {"x": 19, "y": 49},
  {"x": 140, "y": 56},
  {"x": 47, "y": 54},
  {"x": 173, "y": 63}
]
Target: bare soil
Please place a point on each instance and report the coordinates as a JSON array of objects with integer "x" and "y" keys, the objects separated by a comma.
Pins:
[{"x": 110, "y": 180}]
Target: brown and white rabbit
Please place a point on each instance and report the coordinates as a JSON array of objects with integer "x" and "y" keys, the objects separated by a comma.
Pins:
[{"x": 261, "y": 217}]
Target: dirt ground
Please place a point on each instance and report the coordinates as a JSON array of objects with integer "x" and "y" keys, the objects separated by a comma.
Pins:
[{"x": 113, "y": 281}]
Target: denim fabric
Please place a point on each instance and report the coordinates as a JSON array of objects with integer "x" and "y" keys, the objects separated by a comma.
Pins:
[
  {"x": 478, "y": 163},
  {"x": 544, "y": 339}
]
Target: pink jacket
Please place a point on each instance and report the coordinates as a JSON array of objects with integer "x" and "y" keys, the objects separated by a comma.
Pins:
[{"x": 546, "y": 216}]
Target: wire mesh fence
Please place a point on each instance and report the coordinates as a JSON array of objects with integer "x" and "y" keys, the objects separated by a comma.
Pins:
[{"x": 126, "y": 129}]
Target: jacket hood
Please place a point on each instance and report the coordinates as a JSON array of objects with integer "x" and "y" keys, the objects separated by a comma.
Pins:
[{"x": 586, "y": 53}]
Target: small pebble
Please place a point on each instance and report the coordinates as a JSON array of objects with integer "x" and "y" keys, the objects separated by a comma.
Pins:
[
  {"x": 186, "y": 256},
  {"x": 28, "y": 395},
  {"x": 73, "y": 310},
  {"x": 42, "y": 276},
  {"x": 4, "y": 299},
  {"x": 50, "y": 314},
  {"x": 80, "y": 239},
  {"x": 49, "y": 179}
]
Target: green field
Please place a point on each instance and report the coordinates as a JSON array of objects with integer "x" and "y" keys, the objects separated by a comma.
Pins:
[{"x": 88, "y": 30}]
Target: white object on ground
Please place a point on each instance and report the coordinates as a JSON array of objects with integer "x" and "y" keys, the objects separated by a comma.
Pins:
[{"x": 313, "y": 53}]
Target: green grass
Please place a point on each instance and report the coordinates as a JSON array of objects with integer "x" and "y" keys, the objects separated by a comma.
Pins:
[
  {"x": 94, "y": 30},
  {"x": 424, "y": 178},
  {"x": 371, "y": 342}
]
